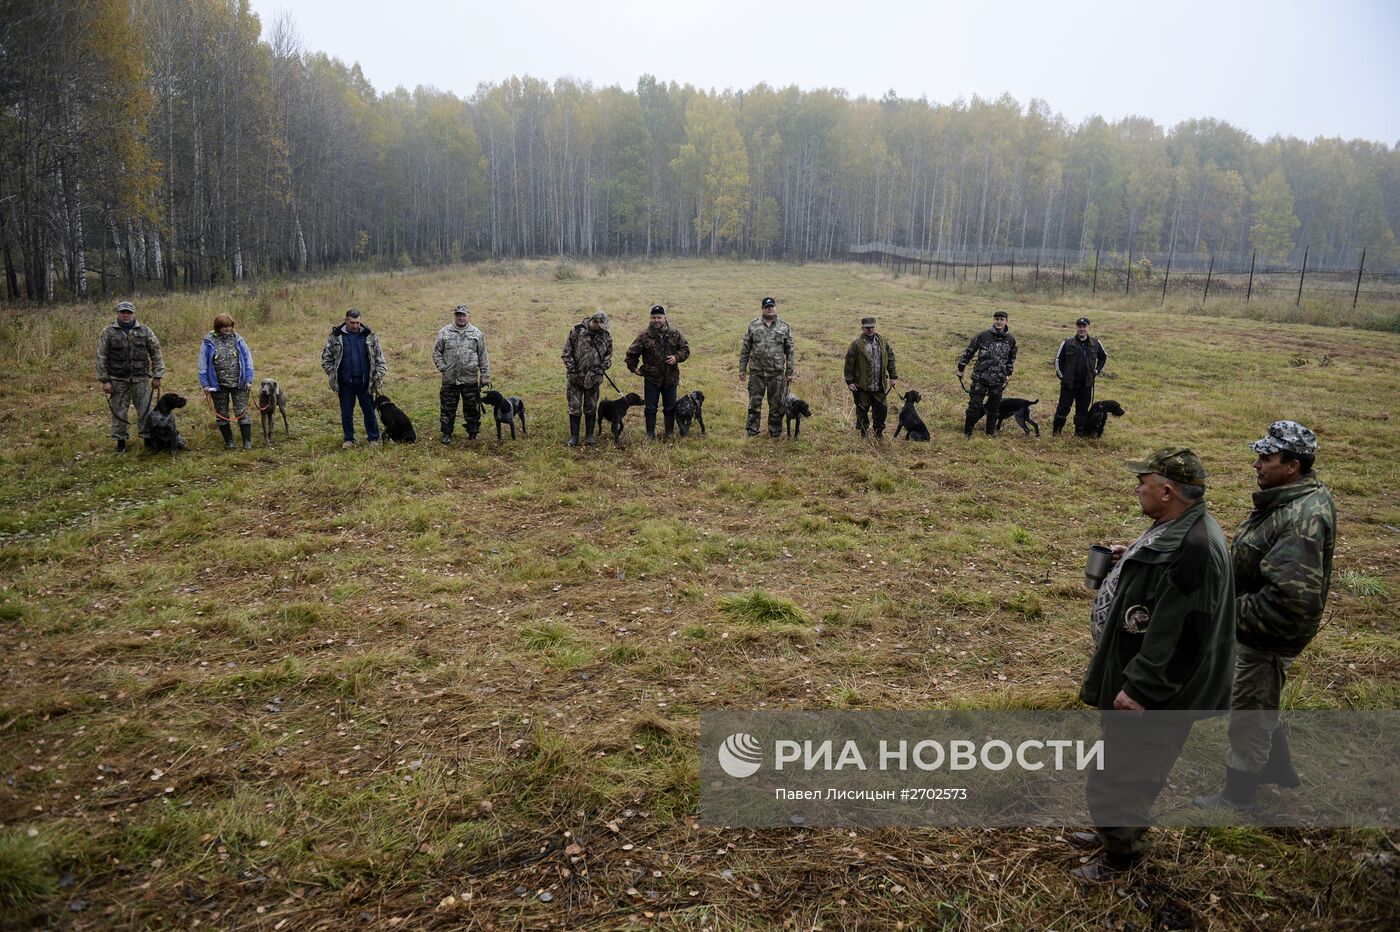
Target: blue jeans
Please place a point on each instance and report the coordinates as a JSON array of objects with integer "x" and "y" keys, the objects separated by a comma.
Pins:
[{"x": 352, "y": 390}]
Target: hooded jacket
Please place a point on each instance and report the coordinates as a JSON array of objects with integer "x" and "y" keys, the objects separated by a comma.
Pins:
[
  {"x": 587, "y": 355},
  {"x": 1179, "y": 593},
  {"x": 129, "y": 354},
  {"x": 334, "y": 351},
  {"x": 460, "y": 355},
  {"x": 209, "y": 377},
  {"x": 1283, "y": 565}
]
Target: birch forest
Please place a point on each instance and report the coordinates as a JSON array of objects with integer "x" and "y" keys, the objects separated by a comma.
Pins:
[{"x": 184, "y": 144}]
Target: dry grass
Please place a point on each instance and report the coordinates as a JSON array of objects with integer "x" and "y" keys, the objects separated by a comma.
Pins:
[{"x": 459, "y": 687}]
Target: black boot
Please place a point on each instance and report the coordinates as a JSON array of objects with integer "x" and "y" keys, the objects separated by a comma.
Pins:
[
  {"x": 670, "y": 418},
  {"x": 228, "y": 436},
  {"x": 1240, "y": 788},
  {"x": 1279, "y": 769},
  {"x": 651, "y": 424},
  {"x": 969, "y": 422},
  {"x": 573, "y": 430},
  {"x": 589, "y": 419},
  {"x": 247, "y": 431},
  {"x": 1059, "y": 425},
  {"x": 121, "y": 446},
  {"x": 1081, "y": 427}
]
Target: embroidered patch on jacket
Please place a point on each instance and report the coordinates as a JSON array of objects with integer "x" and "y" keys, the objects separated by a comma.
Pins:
[{"x": 1135, "y": 619}]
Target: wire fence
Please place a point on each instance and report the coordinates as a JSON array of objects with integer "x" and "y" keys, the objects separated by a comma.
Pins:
[{"x": 1236, "y": 276}]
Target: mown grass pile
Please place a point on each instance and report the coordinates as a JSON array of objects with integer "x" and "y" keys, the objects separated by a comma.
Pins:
[{"x": 460, "y": 685}]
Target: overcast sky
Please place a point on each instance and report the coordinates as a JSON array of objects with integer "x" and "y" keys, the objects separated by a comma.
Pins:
[{"x": 1276, "y": 67}]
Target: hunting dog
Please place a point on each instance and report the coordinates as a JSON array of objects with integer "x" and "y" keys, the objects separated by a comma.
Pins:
[
  {"x": 397, "y": 426},
  {"x": 614, "y": 411},
  {"x": 909, "y": 420},
  {"x": 162, "y": 436},
  {"x": 688, "y": 408},
  {"x": 794, "y": 410},
  {"x": 1020, "y": 409},
  {"x": 1098, "y": 416},
  {"x": 507, "y": 410},
  {"x": 272, "y": 399}
]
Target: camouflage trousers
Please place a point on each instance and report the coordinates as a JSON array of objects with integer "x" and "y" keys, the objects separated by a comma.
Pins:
[
  {"x": 240, "y": 405},
  {"x": 470, "y": 399},
  {"x": 775, "y": 387},
  {"x": 1259, "y": 679},
  {"x": 983, "y": 398},
  {"x": 126, "y": 394},
  {"x": 581, "y": 400}
]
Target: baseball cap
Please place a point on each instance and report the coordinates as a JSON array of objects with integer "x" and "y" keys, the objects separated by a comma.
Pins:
[
  {"x": 461, "y": 309},
  {"x": 658, "y": 309},
  {"x": 126, "y": 306},
  {"x": 1083, "y": 321},
  {"x": 867, "y": 321},
  {"x": 1286, "y": 435},
  {"x": 1175, "y": 463},
  {"x": 769, "y": 302}
]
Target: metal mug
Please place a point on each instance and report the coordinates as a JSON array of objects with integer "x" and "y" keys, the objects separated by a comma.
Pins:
[{"x": 1097, "y": 566}]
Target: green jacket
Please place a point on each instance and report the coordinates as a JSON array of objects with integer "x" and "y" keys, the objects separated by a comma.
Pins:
[
  {"x": 767, "y": 350},
  {"x": 1283, "y": 565},
  {"x": 858, "y": 364},
  {"x": 1185, "y": 656}
]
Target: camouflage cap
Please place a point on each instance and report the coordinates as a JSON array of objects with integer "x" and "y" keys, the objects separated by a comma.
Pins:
[
  {"x": 126, "y": 306},
  {"x": 1175, "y": 463},
  {"x": 1286, "y": 435}
]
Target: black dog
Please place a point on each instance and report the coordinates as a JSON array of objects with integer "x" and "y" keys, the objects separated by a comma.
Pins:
[
  {"x": 614, "y": 411},
  {"x": 1098, "y": 416},
  {"x": 909, "y": 420},
  {"x": 794, "y": 410},
  {"x": 687, "y": 409},
  {"x": 397, "y": 426},
  {"x": 1020, "y": 409},
  {"x": 507, "y": 410},
  {"x": 162, "y": 436}
]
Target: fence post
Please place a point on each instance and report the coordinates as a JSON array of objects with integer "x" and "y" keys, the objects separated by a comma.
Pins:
[
  {"x": 1250, "y": 290},
  {"x": 1210, "y": 270},
  {"x": 1036, "y": 278},
  {"x": 1062, "y": 274},
  {"x": 1166, "y": 278},
  {"x": 1097, "y": 250},
  {"x": 1013, "y": 266},
  {"x": 1128, "y": 287},
  {"x": 1357, "y": 293},
  {"x": 1301, "y": 274}
]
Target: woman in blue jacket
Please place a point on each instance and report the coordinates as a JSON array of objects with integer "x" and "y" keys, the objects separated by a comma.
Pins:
[{"x": 226, "y": 374}]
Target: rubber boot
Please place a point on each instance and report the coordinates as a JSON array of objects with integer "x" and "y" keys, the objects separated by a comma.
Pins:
[
  {"x": 589, "y": 420},
  {"x": 969, "y": 422},
  {"x": 1239, "y": 792},
  {"x": 573, "y": 430},
  {"x": 228, "y": 436},
  {"x": 247, "y": 431},
  {"x": 1279, "y": 769},
  {"x": 651, "y": 424},
  {"x": 1081, "y": 426},
  {"x": 1059, "y": 425},
  {"x": 121, "y": 446},
  {"x": 670, "y": 419}
]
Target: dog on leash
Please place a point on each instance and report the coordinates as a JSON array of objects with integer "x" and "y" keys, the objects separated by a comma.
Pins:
[
  {"x": 397, "y": 426},
  {"x": 1020, "y": 409},
  {"x": 909, "y": 420},
  {"x": 688, "y": 408},
  {"x": 507, "y": 410},
  {"x": 272, "y": 399},
  {"x": 162, "y": 435},
  {"x": 614, "y": 411},
  {"x": 1098, "y": 416},
  {"x": 794, "y": 410}
]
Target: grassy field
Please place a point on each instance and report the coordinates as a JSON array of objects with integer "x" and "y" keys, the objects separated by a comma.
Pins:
[{"x": 458, "y": 687}]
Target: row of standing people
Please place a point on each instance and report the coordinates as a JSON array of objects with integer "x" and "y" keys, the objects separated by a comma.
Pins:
[{"x": 130, "y": 364}]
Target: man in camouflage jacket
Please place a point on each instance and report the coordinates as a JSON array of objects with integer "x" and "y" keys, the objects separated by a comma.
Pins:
[
  {"x": 1282, "y": 557},
  {"x": 995, "y": 350},
  {"x": 459, "y": 353},
  {"x": 767, "y": 360},
  {"x": 1163, "y": 625},
  {"x": 656, "y": 355},
  {"x": 587, "y": 358},
  {"x": 129, "y": 367}
]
